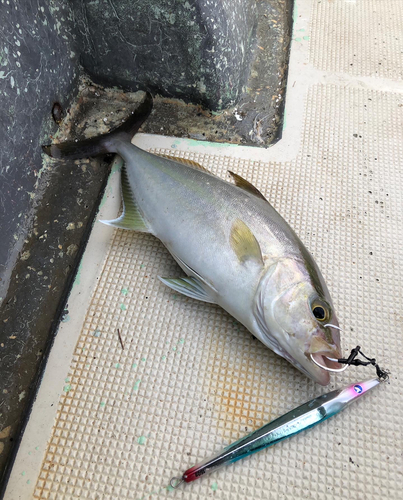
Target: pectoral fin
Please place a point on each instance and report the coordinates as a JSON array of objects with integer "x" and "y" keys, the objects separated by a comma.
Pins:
[
  {"x": 244, "y": 243},
  {"x": 131, "y": 217},
  {"x": 191, "y": 287},
  {"x": 246, "y": 185}
]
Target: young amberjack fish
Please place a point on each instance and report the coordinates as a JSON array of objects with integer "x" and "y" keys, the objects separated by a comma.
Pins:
[{"x": 235, "y": 249}]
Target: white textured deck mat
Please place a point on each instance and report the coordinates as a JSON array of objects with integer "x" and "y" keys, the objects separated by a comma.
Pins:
[
  {"x": 358, "y": 37},
  {"x": 190, "y": 379}
]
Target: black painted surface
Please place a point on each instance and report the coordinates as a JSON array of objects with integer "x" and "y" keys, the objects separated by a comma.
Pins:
[
  {"x": 196, "y": 50},
  {"x": 41, "y": 281},
  {"x": 37, "y": 67}
]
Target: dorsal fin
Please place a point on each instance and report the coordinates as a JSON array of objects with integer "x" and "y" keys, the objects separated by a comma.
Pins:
[
  {"x": 246, "y": 185},
  {"x": 131, "y": 217},
  {"x": 244, "y": 243},
  {"x": 185, "y": 161}
]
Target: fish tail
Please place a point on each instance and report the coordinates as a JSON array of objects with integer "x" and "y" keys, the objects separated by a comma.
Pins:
[{"x": 105, "y": 143}]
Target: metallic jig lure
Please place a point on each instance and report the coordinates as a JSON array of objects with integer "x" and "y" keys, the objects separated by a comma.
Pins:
[{"x": 305, "y": 416}]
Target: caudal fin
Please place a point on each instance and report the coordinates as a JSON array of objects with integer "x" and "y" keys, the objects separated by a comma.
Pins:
[{"x": 104, "y": 143}]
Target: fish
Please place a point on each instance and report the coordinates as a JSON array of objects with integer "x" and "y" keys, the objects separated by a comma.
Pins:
[{"x": 235, "y": 249}]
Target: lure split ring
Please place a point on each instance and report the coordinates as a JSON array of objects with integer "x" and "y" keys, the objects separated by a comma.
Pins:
[{"x": 176, "y": 481}]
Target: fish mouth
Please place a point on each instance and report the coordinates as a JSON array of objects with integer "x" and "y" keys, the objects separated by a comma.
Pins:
[
  {"x": 326, "y": 360},
  {"x": 324, "y": 355}
]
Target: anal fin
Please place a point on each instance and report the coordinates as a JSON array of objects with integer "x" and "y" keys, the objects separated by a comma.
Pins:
[
  {"x": 131, "y": 217},
  {"x": 189, "y": 286}
]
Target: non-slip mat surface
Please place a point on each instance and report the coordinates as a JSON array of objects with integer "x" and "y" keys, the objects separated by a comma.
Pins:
[
  {"x": 358, "y": 37},
  {"x": 190, "y": 379}
]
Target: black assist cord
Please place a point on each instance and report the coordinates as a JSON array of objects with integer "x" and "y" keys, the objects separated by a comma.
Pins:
[{"x": 352, "y": 360}]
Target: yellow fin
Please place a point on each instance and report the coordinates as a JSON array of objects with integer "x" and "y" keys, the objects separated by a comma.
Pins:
[
  {"x": 244, "y": 184},
  {"x": 185, "y": 161},
  {"x": 244, "y": 243},
  {"x": 131, "y": 217}
]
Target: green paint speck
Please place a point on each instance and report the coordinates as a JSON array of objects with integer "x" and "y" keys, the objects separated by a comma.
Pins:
[
  {"x": 117, "y": 365},
  {"x": 67, "y": 388},
  {"x": 174, "y": 348},
  {"x": 124, "y": 291},
  {"x": 305, "y": 37},
  {"x": 67, "y": 380},
  {"x": 102, "y": 403},
  {"x": 143, "y": 359},
  {"x": 170, "y": 488},
  {"x": 37, "y": 448},
  {"x": 141, "y": 440},
  {"x": 164, "y": 358},
  {"x": 116, "y": 165},
  {"x": 77, "y": 279},
  {"x": 23, "y": 473},
  {"x": 134, "y": 366},
  {"x": 136, "y": 385},
  {"x": 66, "y": 318},
  {"x": 28, "y": 481},
  {"x": 181, "y": 341},
  {"x": 214, "y": 486},
  {"x": 141, "y": 266},
  {"x": 122, "y": 307},
  {"x": 97, "y": 333},
  {"x": 295, "y": 12},
  {"x": 29, "y": 453},
  {"x": 297, "y": 39}
]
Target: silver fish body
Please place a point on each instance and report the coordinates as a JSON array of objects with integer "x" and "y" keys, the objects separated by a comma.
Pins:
[
  {"x": 194, "y": 214},
  {"x": 234, "y": 247}
]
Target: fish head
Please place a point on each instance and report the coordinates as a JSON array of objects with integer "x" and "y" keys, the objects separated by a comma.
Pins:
[{"x": 297, "y": 320}]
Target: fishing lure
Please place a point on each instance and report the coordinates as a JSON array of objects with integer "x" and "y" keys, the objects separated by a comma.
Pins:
[{"x": 304, "y": 417}]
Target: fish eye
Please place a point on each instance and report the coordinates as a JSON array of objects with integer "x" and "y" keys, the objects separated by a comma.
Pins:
[{"x": 320, "y": 312}]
